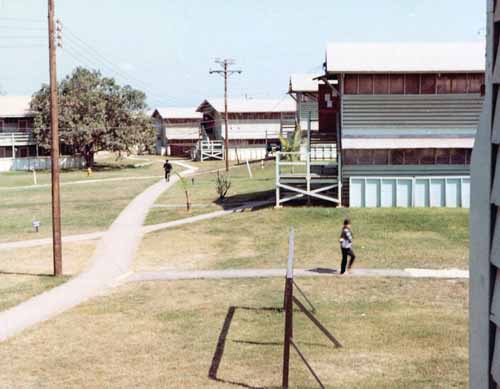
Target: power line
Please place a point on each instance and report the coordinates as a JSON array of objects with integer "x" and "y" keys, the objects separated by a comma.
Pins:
[
  {"x": 27, "y": 20},
  {"x": 226, "y": 72},
  {"x": 79, "y": 48},
  {"x": 22, "y": 46},
  {"x": 108, "y": 63}
]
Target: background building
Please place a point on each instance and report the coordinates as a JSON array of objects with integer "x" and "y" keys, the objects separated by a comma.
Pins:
[
  {"x": 253, "y": 123},
  {"x": 303, "y": 88},
  {"x": 178, "y": 129},
  {"x": 407, "y": 115}
]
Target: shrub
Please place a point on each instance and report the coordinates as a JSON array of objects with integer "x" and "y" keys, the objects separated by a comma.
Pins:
[{"x": 223, "y": 184}]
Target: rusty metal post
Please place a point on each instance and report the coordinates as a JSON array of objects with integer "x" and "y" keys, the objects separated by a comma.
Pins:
[{"x": 54, "y": 125}]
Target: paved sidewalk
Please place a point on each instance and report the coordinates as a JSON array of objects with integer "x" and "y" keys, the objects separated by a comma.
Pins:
[
  {"x": 172, "y": 275},
  {"x": 110, "y": 262}
]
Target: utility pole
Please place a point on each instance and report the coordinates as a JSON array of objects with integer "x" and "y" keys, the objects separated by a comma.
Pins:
[
  {"x": 226, "y": 72},
  {"x": 54, "y": 125}
]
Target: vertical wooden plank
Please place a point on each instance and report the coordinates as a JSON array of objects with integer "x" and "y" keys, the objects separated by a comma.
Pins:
[
  {"x": 397, "y": 84},
  {"x": 443, "y": 84},
  {"x": 412, "y": 84},
  {"x": 381, "y": 84},
  {"x": 480, "y": 232},
  {"x": 428, "y": 84},
  {"x": 350, "y": 84},
  {"x": 365, "y": 84}
]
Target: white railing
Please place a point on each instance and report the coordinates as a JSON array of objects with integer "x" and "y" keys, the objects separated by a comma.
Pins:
[
  {"x": 294, "y": 170},
  {"x": 16, "y": 139},
  {"x": 211, "y": 149}
]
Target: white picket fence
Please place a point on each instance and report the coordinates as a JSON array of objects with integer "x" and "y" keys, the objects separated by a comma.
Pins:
[{"x": 39, "y": 163}]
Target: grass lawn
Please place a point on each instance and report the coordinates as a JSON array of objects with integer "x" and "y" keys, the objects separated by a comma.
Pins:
[
  {"x": 85, "y": 208},
  {"x": 204, "y": 195},
  {"x": 24, "y": 272},
  {"x": 384, "y": 238},
  {"x": 396, "y": 334},
  {"x": 105, "y": 168}
]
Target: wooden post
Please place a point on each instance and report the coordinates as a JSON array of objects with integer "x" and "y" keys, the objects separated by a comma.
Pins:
[
  {"x": 249, "y": 169},
  {"x": 225, "y": 72},
  {"x": 226, "y": 131},
  {"x": 54, "y": 125},
  {"x": 277, "y": 178},
  {"x": 484, "y": 366},
  {"x": 288, "y": 307}
]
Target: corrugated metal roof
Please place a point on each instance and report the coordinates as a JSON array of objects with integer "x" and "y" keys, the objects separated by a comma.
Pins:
[
  {"x": 303, "y": 83},
  {"x": 407, "y": 143},
  {"x": 15, "y": 106},
  {"x": 405, "y": 57},
  {"x": 179, "y": 113},
  {"x": 239, "y": 105}
]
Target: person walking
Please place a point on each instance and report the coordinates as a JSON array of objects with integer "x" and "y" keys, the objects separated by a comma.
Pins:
[
  {"x": 168, "y": 169},
  {"x": 346, "y": 247}
]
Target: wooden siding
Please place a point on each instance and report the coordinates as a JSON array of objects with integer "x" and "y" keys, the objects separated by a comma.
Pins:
[
  {"x": 398, "y": 84},
  {"x": 407, "y": 157},
  {"x": 329, "y": 110},
  {"x": 16, "y": 124}
]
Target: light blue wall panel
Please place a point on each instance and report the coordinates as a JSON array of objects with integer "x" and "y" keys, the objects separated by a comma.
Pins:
[
  {"x": 466, "y": 193},
  {"x": 453, "y": 193},
  {"x": 438, "y": 193},
  {"x": 422, "y": 193},
  {"x": 372, "y": 192},
  {"x": 404, "y": 191},
  {"x": 356, "y": 192},
  {"x": 388, "y": 193}
]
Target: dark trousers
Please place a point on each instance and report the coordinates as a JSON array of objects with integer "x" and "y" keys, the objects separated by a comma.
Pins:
[
  {"x": 167, "y": 176},
  {"x": 347, "y": 253}
]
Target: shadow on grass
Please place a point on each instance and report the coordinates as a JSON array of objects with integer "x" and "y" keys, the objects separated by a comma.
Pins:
[
  {"x": 241, "y": 199},
  {"x": 323, "y": 270},
  {"x": 221, "y": 344}
]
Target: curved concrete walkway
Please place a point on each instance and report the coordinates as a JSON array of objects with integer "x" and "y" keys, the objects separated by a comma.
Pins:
[{"x": 111, "y": 260}]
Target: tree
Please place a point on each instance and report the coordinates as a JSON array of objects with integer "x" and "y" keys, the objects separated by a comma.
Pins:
[
  {"x": 291, "y": 144},
  {"x": 95, "y": 114}
]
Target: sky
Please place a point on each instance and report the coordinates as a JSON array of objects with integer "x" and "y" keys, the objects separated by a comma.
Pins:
[{"x": 167, "y": 47}]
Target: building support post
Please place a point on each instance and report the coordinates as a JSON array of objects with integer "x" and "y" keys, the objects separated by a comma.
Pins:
[
  {"x": 277, "y": 174},
  {"x": 54, "y": 125}
]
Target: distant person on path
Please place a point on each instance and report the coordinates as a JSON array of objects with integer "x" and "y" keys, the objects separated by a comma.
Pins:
[
  {"x": 346, "y": 247},
  {"x": 168, "y": 168}
]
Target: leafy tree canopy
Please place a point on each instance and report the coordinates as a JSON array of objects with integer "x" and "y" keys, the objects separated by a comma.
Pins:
[{"x": 95, "y": 113}]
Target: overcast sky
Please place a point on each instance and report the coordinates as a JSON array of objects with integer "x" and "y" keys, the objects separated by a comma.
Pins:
[{"x": 166, "y": 47}]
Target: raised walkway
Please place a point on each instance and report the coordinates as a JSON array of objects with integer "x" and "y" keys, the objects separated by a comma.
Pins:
[{"x": 111, "y": 261}]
